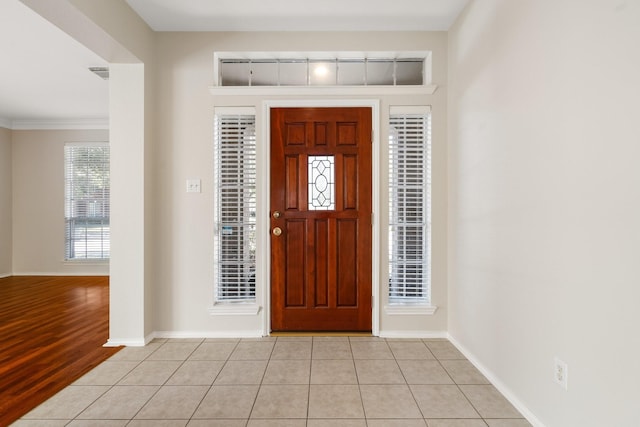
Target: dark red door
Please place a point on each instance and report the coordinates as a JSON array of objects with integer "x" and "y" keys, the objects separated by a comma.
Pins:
[{"x": 321, "y": 219}]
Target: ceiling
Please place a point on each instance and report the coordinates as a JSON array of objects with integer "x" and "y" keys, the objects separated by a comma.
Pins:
[
  {"x": 44, "y": 74},
  {"x": 298, "y": 15}
]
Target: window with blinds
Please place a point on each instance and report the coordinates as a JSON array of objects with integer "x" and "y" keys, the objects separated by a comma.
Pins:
[
  {"x": 86, "y": 175},
  {"x": 235, "y": 210},
  {"x": 409, "y": 206}
]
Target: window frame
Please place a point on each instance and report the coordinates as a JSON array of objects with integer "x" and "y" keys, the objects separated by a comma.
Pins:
[
  {"x": 396, "y": 304},
  {"x": 72, "y": 204},
  {"x": 245, "y": 62},
  {"x": 343, "y": 91},
  {"x": 248, "y": 226}
]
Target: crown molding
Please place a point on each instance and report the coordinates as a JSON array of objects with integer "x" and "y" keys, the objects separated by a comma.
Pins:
[{"x": 53, "y": 124}]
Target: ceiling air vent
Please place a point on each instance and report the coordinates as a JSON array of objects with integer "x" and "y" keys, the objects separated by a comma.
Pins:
[{"x": 102, "y": 72}]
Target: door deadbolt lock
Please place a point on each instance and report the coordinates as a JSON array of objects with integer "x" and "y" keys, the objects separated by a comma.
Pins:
[
  {"x": 277, "y": 231},
  {"x": 276, "y": 214}
]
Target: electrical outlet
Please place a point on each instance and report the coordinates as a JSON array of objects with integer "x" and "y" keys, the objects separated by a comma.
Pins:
[
  {"x": 561, "y": 373},
  {"x": 193, "y": 186}
]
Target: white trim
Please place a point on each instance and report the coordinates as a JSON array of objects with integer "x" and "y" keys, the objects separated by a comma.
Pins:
[
  {"x": 263, "y": 232},
  {"x": 66, "y": 124},
  {"x": 5, "y": 123},
  {"x": 125, "y": 342},
  {"x": 403, "y": 54},
  {"x": 493, "y": 379},
  {"x": 87, "y": 262},
  {"x": 87, "y": 144},
  {"x": 346, "y": 91},
  {"x": 234, "y": 309},
  {"x": 3, "y": 275},
  {"x": 414, "y": 334},
  {"x": 409, "y": 109},
  {"x": 60, "y": 273},
  {"x": 149, "y": 337},
  {"x": 263, "y": 265},
  {"x": 409, "y": 309},
  {"x": 200, "y": 334}
]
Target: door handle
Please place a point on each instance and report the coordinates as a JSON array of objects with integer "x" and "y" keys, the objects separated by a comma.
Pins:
[
  {"x": 277, "y": 231},
  {"x": 276, "y": 214}
]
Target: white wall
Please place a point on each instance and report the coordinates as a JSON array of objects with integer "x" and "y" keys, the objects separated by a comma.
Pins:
[
  {"x": 38, "y": 202},
  {"x": 115, "y": 32},
  {"x": 5, "y": 202},
  {"x": 184, "y": 222},
  {"x": 545, "y": 201},
  {"x": 128, "y": 272}
]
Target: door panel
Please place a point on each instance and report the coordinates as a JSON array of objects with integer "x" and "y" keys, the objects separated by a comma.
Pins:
[
  {"x": 295, "y": 234},
  {"x": 349, "y": 182},
  {"x": 347, "y": 281},
  {"x": 292, "y": 183},
  {"x": 321, "y": 262}
]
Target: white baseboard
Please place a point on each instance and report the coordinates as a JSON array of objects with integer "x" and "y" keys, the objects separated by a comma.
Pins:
[
  {"x": 127, "y": 342},
  {"x": 259, "y": 333},
  {"x": 502, "y": 388},
  {"x": 414, "y": 334},
  {"x": 2, "y": 276},
  {"x": 207, "y": 334},
  {"x": 58, "y": 274}
]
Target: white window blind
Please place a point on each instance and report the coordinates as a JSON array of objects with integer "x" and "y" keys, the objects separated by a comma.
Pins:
[
  {"x": 410, "y": 207},
  {"x": 86, "y": 173},
  {"x": 235, "y": 212}
]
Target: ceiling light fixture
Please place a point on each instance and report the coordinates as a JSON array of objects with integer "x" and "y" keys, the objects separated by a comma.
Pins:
[{"x": 320, "y": 71}]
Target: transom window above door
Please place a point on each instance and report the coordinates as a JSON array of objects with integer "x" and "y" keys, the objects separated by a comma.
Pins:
[{"x": 238, "y": 69}]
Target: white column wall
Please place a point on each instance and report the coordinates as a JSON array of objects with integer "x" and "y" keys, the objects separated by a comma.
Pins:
[{"x": 127, "y": 291}]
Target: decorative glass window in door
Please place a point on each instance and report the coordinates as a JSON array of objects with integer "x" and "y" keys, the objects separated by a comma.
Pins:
[{"x": 321, "y": 193}]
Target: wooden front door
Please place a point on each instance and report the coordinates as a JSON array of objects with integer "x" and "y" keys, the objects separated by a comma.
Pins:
[{"x": 321, "y": 219}]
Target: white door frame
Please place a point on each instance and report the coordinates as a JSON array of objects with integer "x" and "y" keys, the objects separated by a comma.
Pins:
[{"x": 264, "y": 161}]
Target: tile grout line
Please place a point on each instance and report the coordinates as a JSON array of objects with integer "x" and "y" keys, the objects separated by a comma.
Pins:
[
  {"x": 214, "y": 379},
  {"x": 306, "y": 423},
  {"x": 355, "y": 368},
  {"x": 458, "y": 385},
  {"x": 255, "y": 399},
  {"x": 112, "y": 386},
  {"x": 168, "y": 378},
  {"x": 407, "y": 382}
]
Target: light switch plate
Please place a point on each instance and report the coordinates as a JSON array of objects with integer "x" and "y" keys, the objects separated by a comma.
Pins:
[{"x": 193, "y": 186}]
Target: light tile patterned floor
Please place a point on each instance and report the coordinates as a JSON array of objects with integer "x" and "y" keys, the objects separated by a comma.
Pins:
[{"x": 282, "y": 382}]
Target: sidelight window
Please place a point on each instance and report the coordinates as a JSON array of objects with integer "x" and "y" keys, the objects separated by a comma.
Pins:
[
  {"x": 409, "y": 206},
  {"x": 235, "y": 207},
  {"x": 86, "y": 207}
]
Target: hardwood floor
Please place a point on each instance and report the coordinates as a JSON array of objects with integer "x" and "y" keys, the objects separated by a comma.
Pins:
[{"x": 52, "y": 330}]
